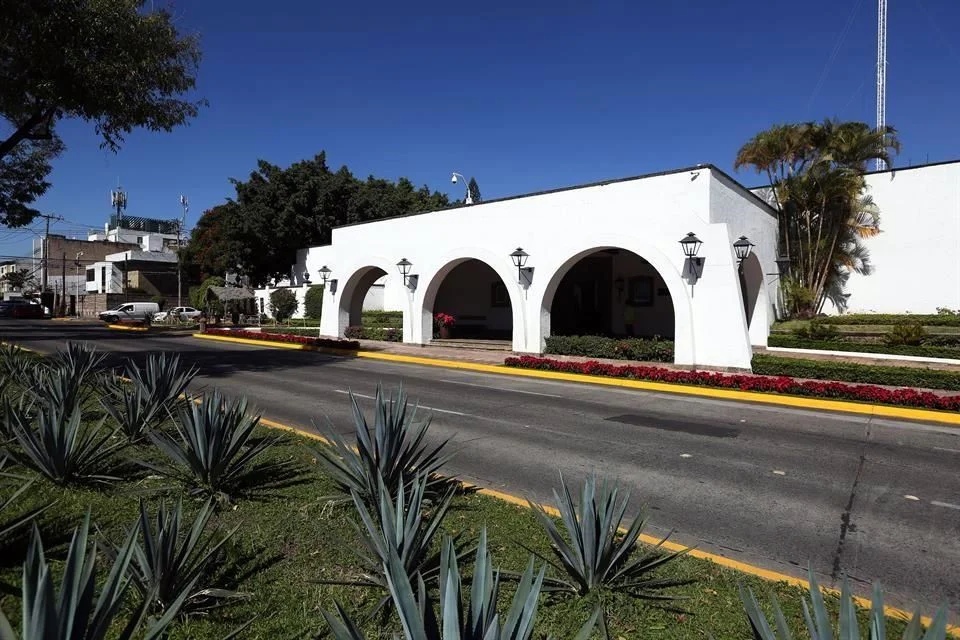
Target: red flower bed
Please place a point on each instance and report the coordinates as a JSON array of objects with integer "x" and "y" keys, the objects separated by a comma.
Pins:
[
  {"x": 329, "y": 343},
  {"x": 767, "y": 384}
]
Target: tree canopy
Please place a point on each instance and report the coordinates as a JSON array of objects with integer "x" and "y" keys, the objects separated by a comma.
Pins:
[
  {"x": 277, "y": 211},
  {"x": 113, "y": 63},
  {"x": 816, "y": 173},
  {"x": 474, "y": 190}
]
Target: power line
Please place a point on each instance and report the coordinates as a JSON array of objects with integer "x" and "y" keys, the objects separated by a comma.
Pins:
[{"x": 833, "y": 54}]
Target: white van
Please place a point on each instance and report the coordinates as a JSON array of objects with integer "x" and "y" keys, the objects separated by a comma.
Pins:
[{"x": 130, "y": 312}]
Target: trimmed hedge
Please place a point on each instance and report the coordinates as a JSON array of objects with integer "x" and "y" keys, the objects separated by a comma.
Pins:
[
  {"x": 382, "y": 319},
  {"x": 760, "y": 383},
  {"x": 927, "y": 319},
  {"x": 328, "y": 343},
  {"x": 852, "y": 372},
  {"x": 613, "y": 348},
  {"x": 385, "y": 334},
  {"x": 313, "y": 302},
  {"x": 926, "y": 351}
]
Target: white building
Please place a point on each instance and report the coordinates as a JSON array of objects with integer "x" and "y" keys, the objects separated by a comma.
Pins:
[{"x": 605, "y": 259}]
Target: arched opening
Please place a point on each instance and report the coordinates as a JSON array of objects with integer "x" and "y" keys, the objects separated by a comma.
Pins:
[
  {"x": 477, "y": 298},
  {"x": 364, "y": 291},
  {"x": 754, "y": 299},
  {"x": 609, "y": 292}
]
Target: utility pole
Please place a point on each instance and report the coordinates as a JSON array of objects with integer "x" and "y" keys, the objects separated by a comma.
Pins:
[
  {"x": 180, "y": 226},
  {"x": 118, "y": 199},
  {"x": 44, "y": 250},
  {"x": 63, "y": 285},
  {"x": 77, "y": 263}
]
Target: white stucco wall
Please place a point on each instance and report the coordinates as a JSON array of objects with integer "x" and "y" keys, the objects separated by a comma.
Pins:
[
  {"x": 916, "y": 257},
  {"x": 647, "y": 216}
]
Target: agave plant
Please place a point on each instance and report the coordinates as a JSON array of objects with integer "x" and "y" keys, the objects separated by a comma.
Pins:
[
  {"x": 133, "y": 410},
  {"x": 594, "y": 553},
  {"x": 212, "y": 449},
  {"x": 480, "y": 621},
  {"x": 396, "y": 453},
  {"x": 400, "y": 526},
  {"x": 81, "y": 362},
  {"x": 57, "y": 443},
  {"x": 170, "y": 560},
  {"x": 75, "y": 611},
  {"x": 163, "y": 379},
  {"x": 820, "y": 627},
  {"x": 19, "y": 369},
  {"x": 10, "y": 523}
]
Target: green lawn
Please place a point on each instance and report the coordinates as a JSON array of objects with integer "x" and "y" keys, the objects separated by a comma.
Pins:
[
  {"x": 290, "y": 538},
  {"x": 791, "y": 325}
]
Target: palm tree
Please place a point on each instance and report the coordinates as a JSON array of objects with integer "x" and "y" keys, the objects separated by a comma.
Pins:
[{"x": 816, "y": 173}]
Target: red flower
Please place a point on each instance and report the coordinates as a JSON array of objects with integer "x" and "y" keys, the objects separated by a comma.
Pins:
[
  {"x": 441, "y": 319},
  {"x": 766, "y": 384}
]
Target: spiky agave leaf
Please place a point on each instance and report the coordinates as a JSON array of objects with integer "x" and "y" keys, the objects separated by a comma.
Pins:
[
  {"x": 132, "y": 409},
  {"x": 9, "y": 522},
  {"x": 212, "y": 449},
  {"x": 820, "y": 626},
  {"x": 394, "y": 449},
  {"x": 59, "y": 445},
  {"x": 81, "y": 362},
  {"x": 170, "y": 561},
  {"x": 163, "y": 379},
  {"x": 74, "y": 611},
  {"x": 592, "y": 551}
]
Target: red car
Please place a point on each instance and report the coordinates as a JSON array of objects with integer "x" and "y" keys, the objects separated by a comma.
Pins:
[{"x": 18, "y": 308}]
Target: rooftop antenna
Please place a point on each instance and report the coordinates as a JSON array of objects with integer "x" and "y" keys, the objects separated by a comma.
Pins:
[{"x": 881, "y": 71}]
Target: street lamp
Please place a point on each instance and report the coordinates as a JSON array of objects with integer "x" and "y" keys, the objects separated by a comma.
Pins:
[
  {"x": 118, "y": 199},
  {"x": 467, "y": 198},
  {"x": 519, "y": 257},
  {"x": 783, "y": 265},
  {"x": 181, "y": 224},
  {"x": 325, "y": 274},
  {"x": 742, "y": 247}
]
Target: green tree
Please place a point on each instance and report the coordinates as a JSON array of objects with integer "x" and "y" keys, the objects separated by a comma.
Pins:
[
  {"x": 817, "y": 185},
  {"x": 283, "y": 304},
  {"x": 116, "y": 63},
  {"x": 313, "y": 302},
  {"x": 277, "y": 211},
  {"x": 474, "y": 190},
  {"x": 18, "y": 279},
  {"x": 198, "y": 295}
]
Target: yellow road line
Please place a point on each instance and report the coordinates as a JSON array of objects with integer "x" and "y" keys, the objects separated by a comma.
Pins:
[
  {"x": 122, "y": 327},
  {"x": 821, "y": 404}
]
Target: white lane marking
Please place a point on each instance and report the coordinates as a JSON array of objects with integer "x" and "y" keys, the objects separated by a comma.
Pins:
[
  {"x": 946, "y": 449},
  {"x": 948, "y": 505},
  {"x": 909, "y": 497},
  {"x": 492, "y": 388},
  {"x": 685, "y": 455},
  {"x": 777, "y": 472},
  {"x": 419, "y": 406}
]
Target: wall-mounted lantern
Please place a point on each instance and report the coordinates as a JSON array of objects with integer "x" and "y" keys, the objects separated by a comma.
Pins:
[
  {"x": 691, "y": 247},
  {"x": 325, "y": 274},
  {"x": 742, "y": 248},
  {"x": 404, "y": 267},
  {"x": 333, "y": 286},
  {"x": 519, "y": 258}
]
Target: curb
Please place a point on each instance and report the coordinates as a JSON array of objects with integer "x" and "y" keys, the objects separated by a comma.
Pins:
[
  {"x": 123, "y": 327},
  {"x": 797, "y": 402}
]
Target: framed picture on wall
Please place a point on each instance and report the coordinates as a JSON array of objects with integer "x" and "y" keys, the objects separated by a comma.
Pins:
[
  {"x": 640, "y": 291},
  {"x": 499, "y": 296}
]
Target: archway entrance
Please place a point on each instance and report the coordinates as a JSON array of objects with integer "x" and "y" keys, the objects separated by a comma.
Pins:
[
  {"x": 364, "y": 291},
  {"x": 477, "y": 298},
  {"x": 612, "y": 292},
  {"x": 755, "y": 300}
]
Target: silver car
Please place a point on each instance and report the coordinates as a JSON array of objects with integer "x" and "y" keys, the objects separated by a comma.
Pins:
[{"x": 177, "y": 312}]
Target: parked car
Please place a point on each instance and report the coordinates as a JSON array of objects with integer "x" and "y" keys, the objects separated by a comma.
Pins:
[
  {"x": 130, "y": 312},
  {"x": 20, "y": 308},
  {"x": 177, "y": 312}
]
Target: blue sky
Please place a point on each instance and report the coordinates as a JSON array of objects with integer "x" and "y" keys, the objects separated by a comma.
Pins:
[{"x": 523, "y": 95}]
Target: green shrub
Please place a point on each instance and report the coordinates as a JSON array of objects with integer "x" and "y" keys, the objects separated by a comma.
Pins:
[
  {"x": 817, "y": 329},
  {"x": 382, "y": 319},
  {"x": 929, "y": 320},
  {"x": 850, "y": 372},
  {"x": 385, "y": 334},
  {"x": 906, "y": 333},
  {"x": 313, "y": 302},
  {"x": 929, "y": 350},
  {"x": 654, "y": 350},
  {"x": 198, "y": 295},
  {"x": 283, "y": 304}
]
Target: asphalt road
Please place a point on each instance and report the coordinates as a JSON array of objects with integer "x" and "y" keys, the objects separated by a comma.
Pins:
[{"x": 775, "y": 487}]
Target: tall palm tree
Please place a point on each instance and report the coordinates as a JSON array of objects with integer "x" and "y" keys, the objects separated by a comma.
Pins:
[{"x": 817, "y": 186}]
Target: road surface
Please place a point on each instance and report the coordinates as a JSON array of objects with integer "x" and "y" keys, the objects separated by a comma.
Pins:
[{"x": 771, "y": 486}]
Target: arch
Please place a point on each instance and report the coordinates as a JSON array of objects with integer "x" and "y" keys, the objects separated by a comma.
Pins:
[
  {"x": 669, "y": 279},
  {"x": 480, "y": 297},
  {"x": 755, "y": 301},
  {"x": 352, "y": 295}
]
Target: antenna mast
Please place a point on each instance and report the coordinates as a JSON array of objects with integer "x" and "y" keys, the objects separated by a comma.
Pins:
[{"x": 881, "y": 71}]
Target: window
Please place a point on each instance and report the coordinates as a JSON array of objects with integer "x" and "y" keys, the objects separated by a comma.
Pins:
[
  {"x": 103, "y": 279},
  {"x": 91, "y": 275},
  {"x": 140, "y": 240}
]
